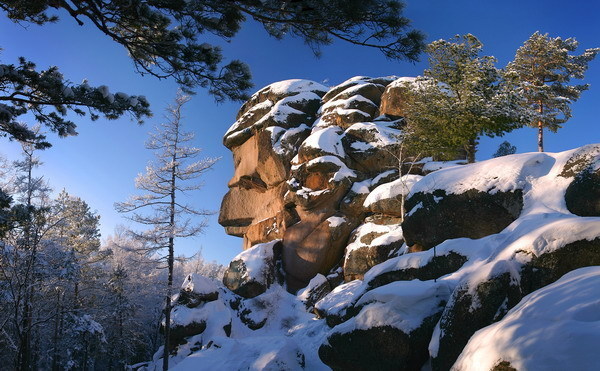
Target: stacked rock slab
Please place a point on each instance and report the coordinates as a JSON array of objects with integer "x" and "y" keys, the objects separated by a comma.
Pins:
[{"x": 306, "y": 157}]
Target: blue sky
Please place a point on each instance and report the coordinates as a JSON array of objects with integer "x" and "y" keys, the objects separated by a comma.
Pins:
[{"x": 100, "y": 164}]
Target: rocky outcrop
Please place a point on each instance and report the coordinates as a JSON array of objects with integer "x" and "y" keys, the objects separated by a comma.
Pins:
[
  {"x": 421, "y": 261},
  {"x": 306, "y": 158}
]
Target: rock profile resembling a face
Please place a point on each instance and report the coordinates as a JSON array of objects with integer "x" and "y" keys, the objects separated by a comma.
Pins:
[{"x": 306, "y": 157}]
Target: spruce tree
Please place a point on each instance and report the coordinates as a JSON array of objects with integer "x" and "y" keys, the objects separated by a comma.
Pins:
[
  {"x": 461, "y": 97},
  {"x": 542, "y": 70},
  {"x": 165, "y": 183}
]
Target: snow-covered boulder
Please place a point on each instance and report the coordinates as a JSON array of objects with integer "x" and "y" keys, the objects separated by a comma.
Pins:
[
  {"x": 355, "y": 100},
  {"x": 536, "y": 258},
  {"x": 253, "y": 271},
  {"x": 422, "y": 266},
  {"x": 373, "y": 146},
  {"x": 197, "y": 289},
  {"x": 319, "y": 287},
  {"x": 554, "y": 328},
  {"x": 473, "y": 201},
  {"x": 391, "y": 331},
  {"x": 583, "y": 194},
  {"x": 370, "y": 244},
  {"x": 393, "y": 99},
  {"x": 387, "y": 198}
]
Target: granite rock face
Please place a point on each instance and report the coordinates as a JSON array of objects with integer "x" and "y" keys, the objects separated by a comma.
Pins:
[{"x": 306, "y": 157}]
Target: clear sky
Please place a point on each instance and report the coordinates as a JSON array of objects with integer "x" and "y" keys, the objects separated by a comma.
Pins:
[{"x": 100, "y": 164}]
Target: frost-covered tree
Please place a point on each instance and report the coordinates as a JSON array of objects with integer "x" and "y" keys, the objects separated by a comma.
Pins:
[
  {"x": 542, "y": 70},
  {"x": 162, "y": 207},
  {"x": 132, "y": 304},
  {"x": 170, "y": 38},
  {"x": 505, "y": 149},
  {"x": 23, "y": 229},
  {"x": 461, "y": 97}
]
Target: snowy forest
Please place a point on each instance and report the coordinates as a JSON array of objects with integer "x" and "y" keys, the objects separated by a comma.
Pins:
[{"x": 381, "y": 223}]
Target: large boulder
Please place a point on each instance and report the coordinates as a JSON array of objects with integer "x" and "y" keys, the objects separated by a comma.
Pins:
[
  {"x": 391, "y": 330},
  {"x": 254, "y": 270},
  {"x": 554, "y": 328},
  {"x": 435, "y": 217},
  {"x": 474, "y": 200},
  {"x": 370, "y": 244}
]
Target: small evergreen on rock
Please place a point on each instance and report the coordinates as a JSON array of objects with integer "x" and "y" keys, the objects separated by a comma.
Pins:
[{"x": 504, "y": 149}]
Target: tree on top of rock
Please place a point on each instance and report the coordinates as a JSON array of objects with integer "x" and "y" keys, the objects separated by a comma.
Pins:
[
  {"x": 461, "y": 97},
  {"x": 542, "y": 70}
]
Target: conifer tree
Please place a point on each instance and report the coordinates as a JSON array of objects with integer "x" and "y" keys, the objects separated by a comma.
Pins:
[
  {"x": 505, "y": 149},
  {"x": 542, "y": 70},
  {"x": 167, "y": 39},
  {"x": 165, "y": 183},
  {"x": 461, "y": 97}
]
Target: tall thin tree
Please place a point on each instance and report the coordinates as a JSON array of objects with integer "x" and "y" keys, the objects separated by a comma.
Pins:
[
  {"x": 164, "y": 185},
  {"x": 542, "y": 70}
]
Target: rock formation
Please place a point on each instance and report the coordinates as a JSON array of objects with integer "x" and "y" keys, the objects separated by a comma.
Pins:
[
  {"x": 435, "y": 269},
  {"x": 306, "y": 157}
]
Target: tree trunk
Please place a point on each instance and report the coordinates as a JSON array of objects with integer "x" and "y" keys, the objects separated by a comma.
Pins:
[
  {"x": 471, "y": 149},
  {"x": 540, "y": 136},
  {"x": 541, "y": 129},
  {"x": 57, "y": 331},
  {"x": 171, "y": 257}
]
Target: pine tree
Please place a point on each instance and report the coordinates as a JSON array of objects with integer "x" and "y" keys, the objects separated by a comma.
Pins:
[
  {"x": 542, "y": 70},
  {"x": 165, "y": 40},
  {"x": 49, "y": 97},
  {"x": 461, "y": 97},
  {"x": 165, "y": 182},
  {"x": 505, "y": 149}
]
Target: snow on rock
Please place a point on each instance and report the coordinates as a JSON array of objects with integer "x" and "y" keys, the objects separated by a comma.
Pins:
[
  {"x": 402, "y": 305},
  {"x": 399, "y": 187},
  {"x": 254, "y": 353},
  {"x": 370, "y": 244},
  {"x": 253, "y": 271},
  {"x": 502, "y": 174},
  {"x": 554, "y": 328},
  {"x": 199, "y": 284},
  {"x": 322, "y": 142},
  {"x": 295, "y": 86},
  {"x": 335, "y": 305},
  {"x": 287, "y": 104}
]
